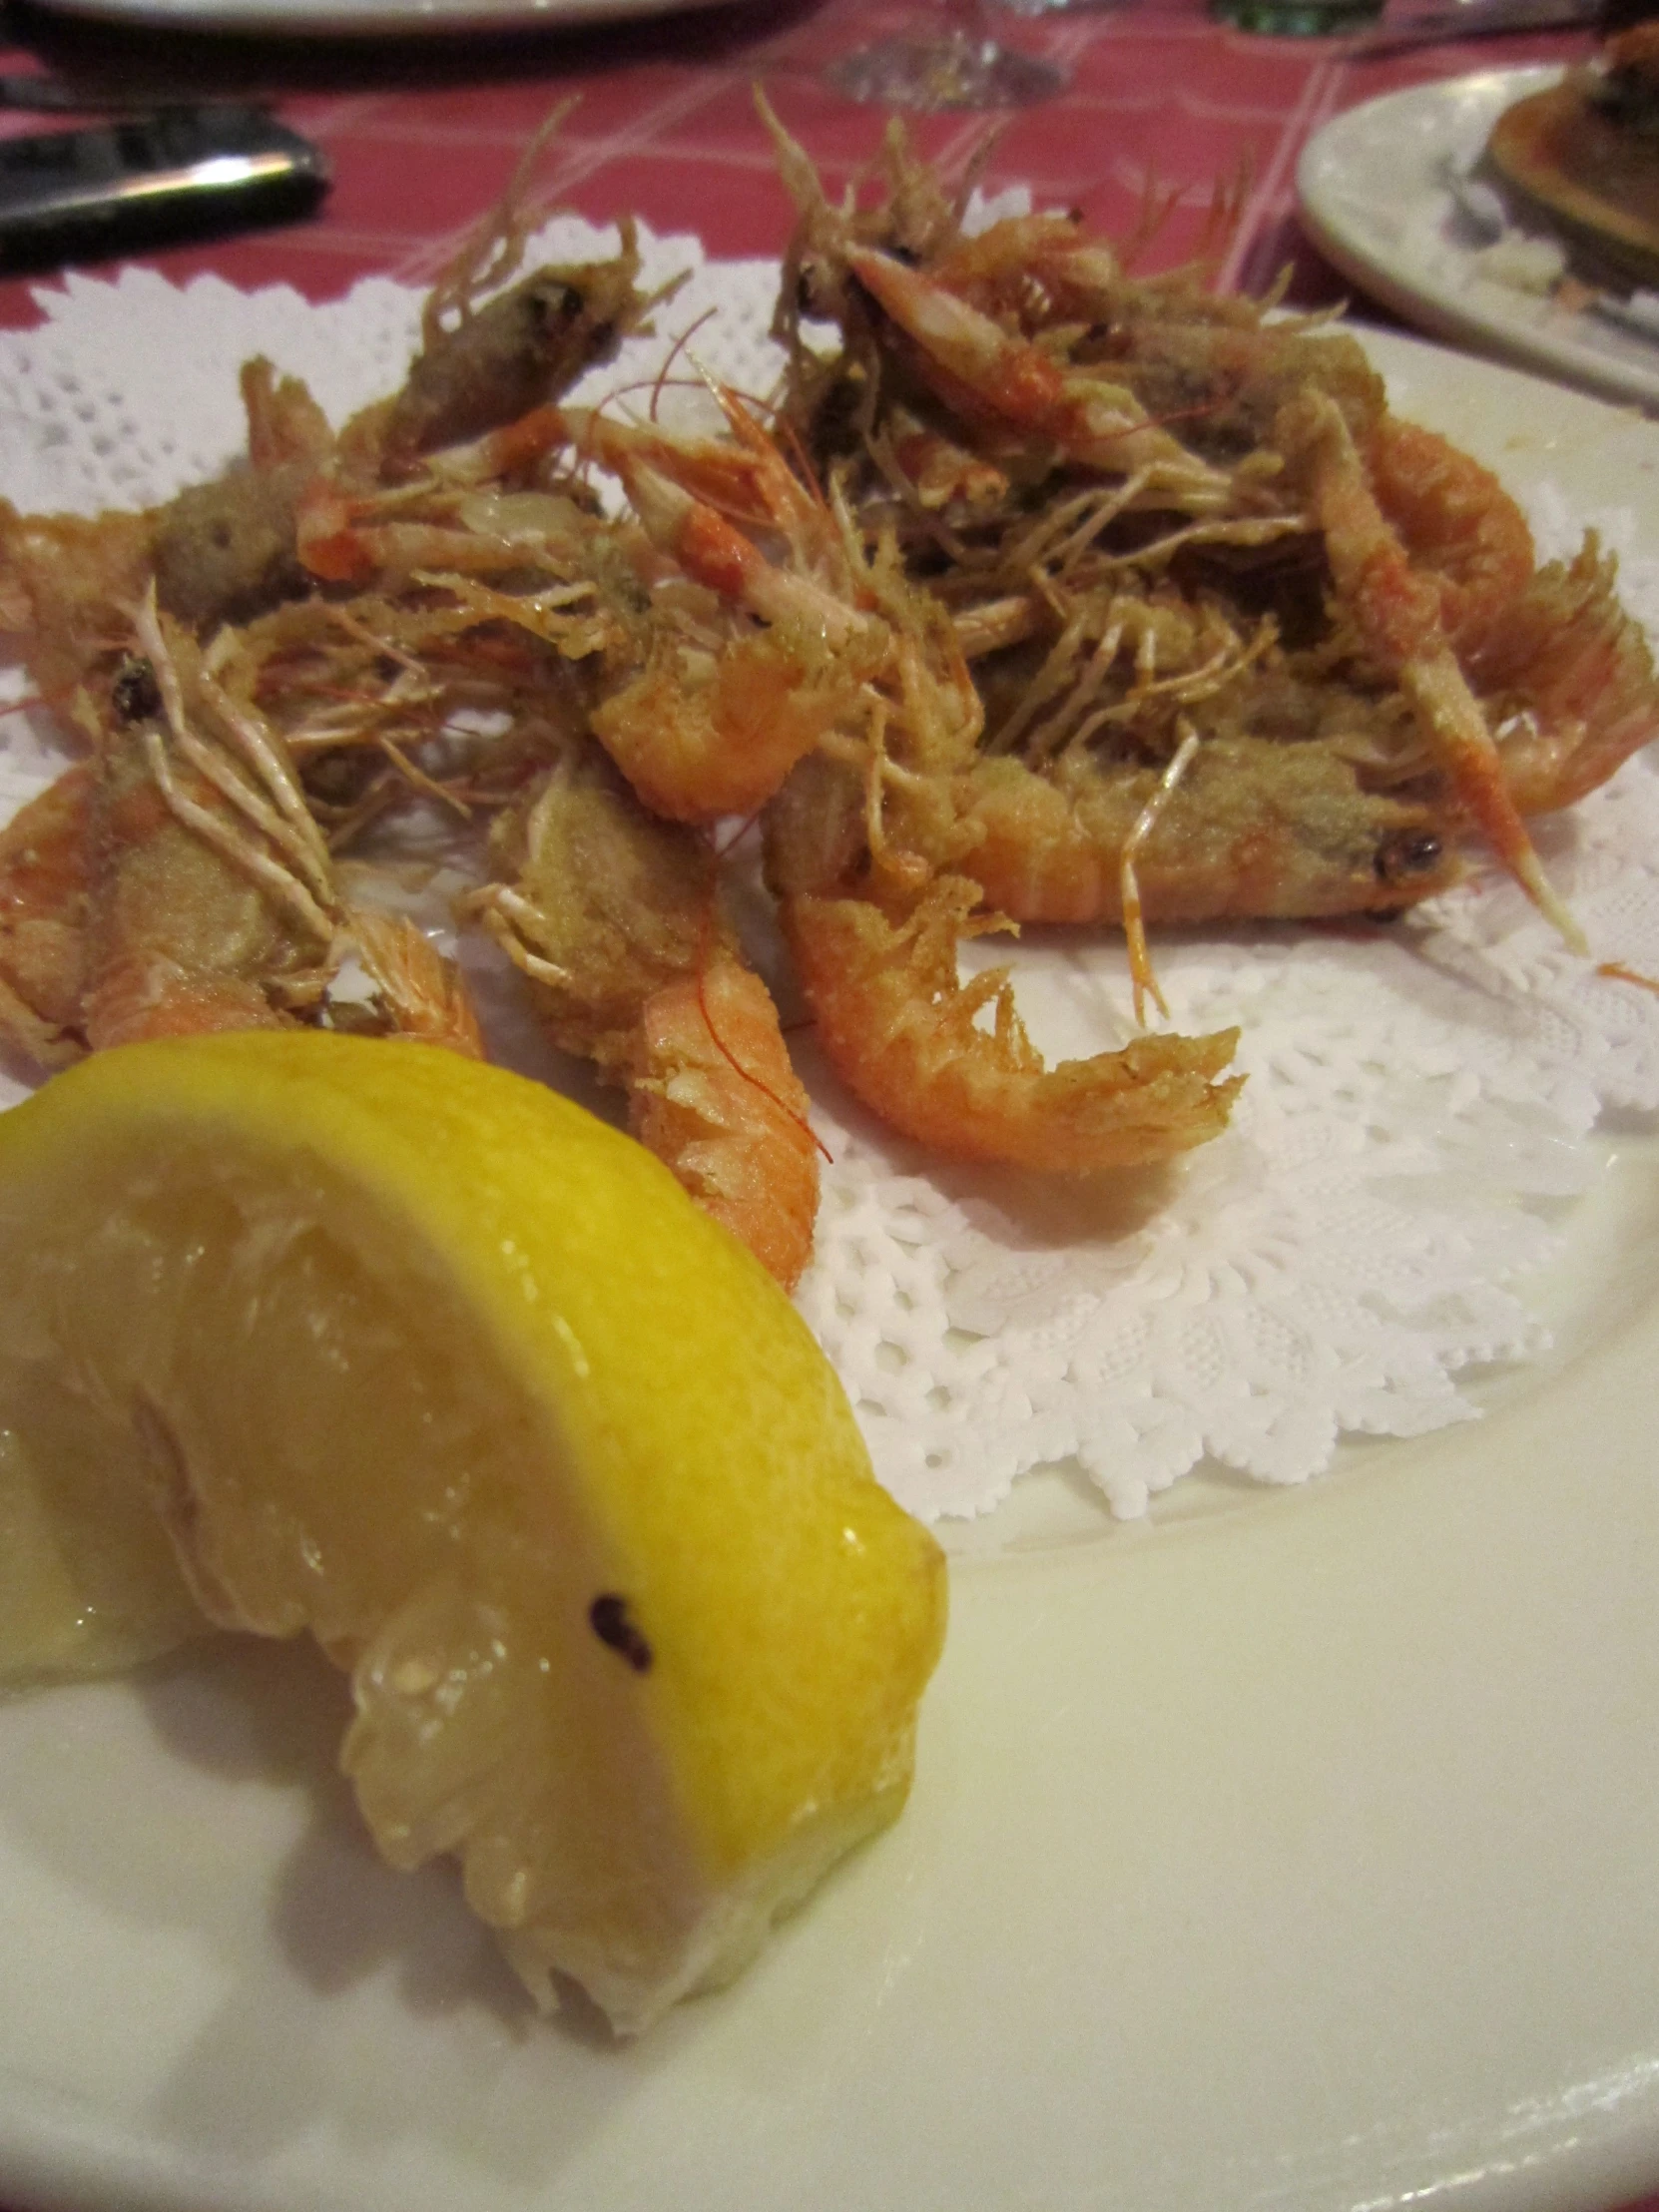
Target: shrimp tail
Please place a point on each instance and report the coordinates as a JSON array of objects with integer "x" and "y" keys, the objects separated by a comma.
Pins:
[
  {"x": 714, "y": 1097},
  {"x": 417, "y": 992},
  {"x": 1570, "y": 678}
]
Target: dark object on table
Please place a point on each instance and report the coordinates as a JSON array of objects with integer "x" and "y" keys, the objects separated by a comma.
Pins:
[
  {"x": 43, "y": 95},
  {"x": 1462, "y": 19},
  {"x": 1296, "y": 18},
  {"x": 137, "y": 181}
]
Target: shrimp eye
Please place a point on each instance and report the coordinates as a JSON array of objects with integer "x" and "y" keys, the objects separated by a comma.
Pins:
[
  {"x": 612, "y": 1624},
  {"x": 555, "y": 304},
  {"x": 135, "y": 694},
  {"x": 1406, "y": 853}
]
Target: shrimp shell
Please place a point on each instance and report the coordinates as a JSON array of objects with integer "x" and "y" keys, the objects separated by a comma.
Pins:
[{"x": 701, "y": 735}]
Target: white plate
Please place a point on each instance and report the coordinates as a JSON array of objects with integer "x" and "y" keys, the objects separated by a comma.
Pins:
[
  {"x": 1298, "y": 1854},
  {"x": 1374, "y": 194},
  {"x": 370, "y": 18}
]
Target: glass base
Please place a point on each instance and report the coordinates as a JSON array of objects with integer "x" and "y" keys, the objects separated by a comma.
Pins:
[
  {"x": 949, "y": 71},
  {"x": 1098, "y": 7}
]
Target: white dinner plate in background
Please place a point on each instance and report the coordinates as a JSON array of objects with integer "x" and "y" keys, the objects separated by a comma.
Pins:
[
  {"x": 370, "y": 18},
  {"x": 1376, "y": 200}
]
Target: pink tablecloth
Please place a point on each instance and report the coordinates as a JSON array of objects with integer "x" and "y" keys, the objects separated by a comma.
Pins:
[{"x": 421, "y": 134}]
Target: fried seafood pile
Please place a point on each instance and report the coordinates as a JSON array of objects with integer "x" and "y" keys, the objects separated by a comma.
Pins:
[{"x": 1038, "y": 592}]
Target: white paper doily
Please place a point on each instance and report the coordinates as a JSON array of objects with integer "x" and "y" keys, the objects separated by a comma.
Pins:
[{"x": 1419, "y": 1095}]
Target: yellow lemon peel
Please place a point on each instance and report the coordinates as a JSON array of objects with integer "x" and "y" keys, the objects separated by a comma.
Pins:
[{"x": 414, "y": 1354}]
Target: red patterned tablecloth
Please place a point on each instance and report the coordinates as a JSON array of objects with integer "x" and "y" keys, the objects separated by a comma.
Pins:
[{"x": 421, "y": 134}]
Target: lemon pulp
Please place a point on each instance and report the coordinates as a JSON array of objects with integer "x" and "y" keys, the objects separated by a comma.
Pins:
[{"x": 415, "y": 1355}]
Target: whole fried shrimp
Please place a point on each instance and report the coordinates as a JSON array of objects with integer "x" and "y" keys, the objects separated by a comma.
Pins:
[
  {"x": 516, "y": 352},
  {"x": 614, "y": 918},
  {"x": 176, "y": 884},
  {"x": 902, "y": 1031},
  {"x": 874, "y": 929}
]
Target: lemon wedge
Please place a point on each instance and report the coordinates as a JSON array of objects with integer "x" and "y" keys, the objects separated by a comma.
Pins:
[{"x": 418, "y": 1356}]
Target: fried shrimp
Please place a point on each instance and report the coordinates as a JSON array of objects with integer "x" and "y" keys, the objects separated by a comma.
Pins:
[
  {"x": 514, "y": 353},
  {"x": 177, "y": 883},
  {"x": 1039, "y": 592},
  {"x": 1280, "y": 832},
  {"x": 1398, "y": 613},
  {"x": 1094, "y": 472},
  {"x": 489, "y": 355},
  {"x": 614, "y": 918},
  {"x": 873, "y": 927},
  {"x": 1000, "y": 383},
  {"x": 715, "y": 1097}
]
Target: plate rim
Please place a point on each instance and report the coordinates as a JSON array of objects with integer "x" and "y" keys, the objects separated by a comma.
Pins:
[
  {"x": 363, "y": 19},
  {"x": 1427, "y": 304}
]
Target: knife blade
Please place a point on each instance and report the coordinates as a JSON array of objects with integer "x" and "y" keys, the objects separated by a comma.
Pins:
[{"x": 57, "y": 96}]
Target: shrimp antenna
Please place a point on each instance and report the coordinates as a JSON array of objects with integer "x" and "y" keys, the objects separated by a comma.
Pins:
[
  {"x": 1227, "y": 196},
  {"x": 1158, "y": 203},
  {"x": 661, "y": 381},
  {"x": 697, "y": 378},
  {"x": 733, "y": 402},
  {"x": 705, "y": 934}
]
